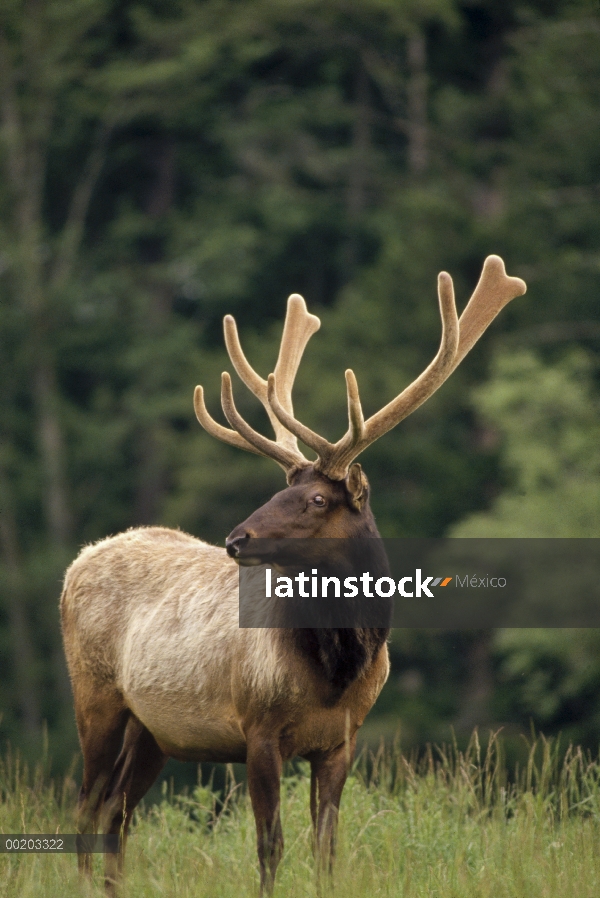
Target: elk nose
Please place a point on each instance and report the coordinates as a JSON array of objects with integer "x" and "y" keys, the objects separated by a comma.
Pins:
[{"x": 233, "y": 545}]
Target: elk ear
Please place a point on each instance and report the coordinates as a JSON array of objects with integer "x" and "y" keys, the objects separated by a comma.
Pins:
[
  {"x": 357, "y": 486},
  {"x": 292, "y": 473}
]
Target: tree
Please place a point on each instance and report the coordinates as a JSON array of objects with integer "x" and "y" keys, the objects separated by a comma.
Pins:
[
  {"x": 546, "y": 417},
  {"x": 176, "y": 161}
]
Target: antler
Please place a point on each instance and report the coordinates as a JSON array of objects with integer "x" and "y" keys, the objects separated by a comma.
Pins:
[
  {"x": 298, "y": 329},
  {"x": 494, "y": 290}
]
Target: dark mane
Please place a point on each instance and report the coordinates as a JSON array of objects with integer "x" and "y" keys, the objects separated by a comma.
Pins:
[{"x": 340, "y": 654}]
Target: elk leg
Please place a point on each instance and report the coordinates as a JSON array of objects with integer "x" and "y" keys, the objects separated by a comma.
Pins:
[
  {"x": 136, "y": 768},
  {"x": 328, "y": 776},
  {"x": 101, "y": 724},
  {"x": 264, "y": 765}
]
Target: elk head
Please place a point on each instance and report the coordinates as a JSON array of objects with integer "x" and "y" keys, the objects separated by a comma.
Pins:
[{"x": 329, "y": 497}]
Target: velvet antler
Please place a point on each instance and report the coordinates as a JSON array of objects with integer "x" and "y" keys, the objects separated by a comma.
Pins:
[
  {"x": 494, "y": 290},
  {"x": 298, "y": 329}
]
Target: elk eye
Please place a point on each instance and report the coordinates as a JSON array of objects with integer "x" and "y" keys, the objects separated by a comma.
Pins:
[{"x": 319, "y": 500}]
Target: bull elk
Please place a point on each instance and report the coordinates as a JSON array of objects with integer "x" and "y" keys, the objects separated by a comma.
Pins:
[{"x": 158, "y": 664}]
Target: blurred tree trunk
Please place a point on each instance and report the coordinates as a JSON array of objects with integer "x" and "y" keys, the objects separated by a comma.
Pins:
[
  {"x": 359, "y": 171},
  {"x": 474, "y": 707},
  {"x": 32, "y": 74},
  {"x": 24, "y": 681},
  {"x": 24, "y": 157},
  {"x": 52, "y": 450},
  {"x": 361, "y": 141},
  {"x": 417, "y": 103},
  {"x": 152, "y": 477}
]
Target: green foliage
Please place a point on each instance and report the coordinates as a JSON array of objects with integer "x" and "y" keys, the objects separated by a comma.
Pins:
[
  {"x": 545, "y": 415},
  {"x": 551, "y": 677},
  {"x": 548, "y": 420},
  {"x": 541, "y": 418}
]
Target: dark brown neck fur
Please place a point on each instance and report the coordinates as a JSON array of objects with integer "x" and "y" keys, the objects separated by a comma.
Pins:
[{"x": 340, "y": 655}]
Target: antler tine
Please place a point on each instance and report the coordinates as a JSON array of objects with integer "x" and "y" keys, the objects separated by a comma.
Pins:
[
  {"x": 321, "y": 446},
  {"x": 340, "y": 454},
  {"x": 246, "y": 372},
  {"x": 494, "y": 290},
  {"x": 356, "y": 421},
  {"x": 217, "y": 430},
  {"x": 432, "y": 377},
  {"x": 325, "y": 450},
  {"x": 354, "y": 442},
  {"x": 298, "y": 329},
  {"x": 283, "y": 455},
  {"x": 334, "y": 459}
]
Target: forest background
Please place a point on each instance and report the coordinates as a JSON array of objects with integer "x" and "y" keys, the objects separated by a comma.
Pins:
[{"x": 165, "y": 163}]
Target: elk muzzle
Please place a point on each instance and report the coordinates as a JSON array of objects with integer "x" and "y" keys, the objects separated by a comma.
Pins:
[{"x": 235, "y": 543}]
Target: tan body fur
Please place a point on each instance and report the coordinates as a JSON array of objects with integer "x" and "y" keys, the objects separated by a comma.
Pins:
[{"x": 152, "y": 614}]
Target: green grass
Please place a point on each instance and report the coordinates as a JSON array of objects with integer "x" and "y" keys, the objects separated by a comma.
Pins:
[{"x": 452, "y": 824}]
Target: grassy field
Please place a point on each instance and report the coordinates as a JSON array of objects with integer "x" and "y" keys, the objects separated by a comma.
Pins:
[{"x": 451, "y": 824}]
